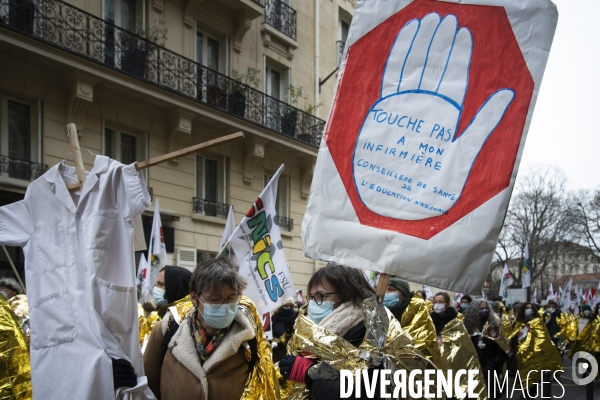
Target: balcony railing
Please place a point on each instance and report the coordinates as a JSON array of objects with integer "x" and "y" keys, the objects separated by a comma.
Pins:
[
  {"x": 69, "y": 28},
  {"x": 20, "y": 169},
  {"x": 281, "y": 17},
  {"x": 210, "y": 209},
  {"x": 286, "y": 224}
]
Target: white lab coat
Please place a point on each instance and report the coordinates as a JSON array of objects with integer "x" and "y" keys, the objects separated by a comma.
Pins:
[{"x": 80, "y": 272}]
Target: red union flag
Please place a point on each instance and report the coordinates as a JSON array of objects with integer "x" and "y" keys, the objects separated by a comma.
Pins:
[{"x": 422, "y": 144}]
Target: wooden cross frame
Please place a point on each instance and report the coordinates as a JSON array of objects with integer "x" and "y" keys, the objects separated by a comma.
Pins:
[{"x": 76, "y": 150}]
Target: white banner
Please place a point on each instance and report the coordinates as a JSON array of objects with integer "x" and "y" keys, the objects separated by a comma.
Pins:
[
  {"x": 229, "y": 227},
  {"x": 157, "y": 257},
  {"x": 423, "y": 141},
  {"x": 257, "y": 245},
  {"x": 506, "y": 281}
]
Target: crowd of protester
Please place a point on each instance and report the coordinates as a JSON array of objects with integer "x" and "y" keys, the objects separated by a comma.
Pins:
[{"x": 202, "y": 338}]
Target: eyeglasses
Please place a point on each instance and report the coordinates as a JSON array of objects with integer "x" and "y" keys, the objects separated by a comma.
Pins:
[
  {"x": 217, "y": 301},
  {"x": 318, "y": 297}
]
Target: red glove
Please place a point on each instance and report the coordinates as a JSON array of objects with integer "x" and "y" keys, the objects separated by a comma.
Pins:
[{"x": 300, "y": 368}]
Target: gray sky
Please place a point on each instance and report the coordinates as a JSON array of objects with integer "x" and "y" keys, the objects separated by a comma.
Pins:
[{"x": 564, "y": 129}]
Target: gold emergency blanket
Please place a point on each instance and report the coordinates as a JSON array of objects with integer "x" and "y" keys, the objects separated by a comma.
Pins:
[
  {"x": 572, "y": 329},
  {"x": 20, "y": 307},
  {"x": 15, "y": 369},
  {"x": 146, "y": 323},
  {"x": 589, "y": 339},
  {"x": 418, "y": 324},
  {"x": 396, "y": 347},
  {"x": 458, "y": 353},
  {"x": 535, "y": 352},
  {"x": 499, "y": 337},
  {"x": 507, "y": 325},
  {"x": 565, "y": 327},
  {"x": 262, "y": 382}
]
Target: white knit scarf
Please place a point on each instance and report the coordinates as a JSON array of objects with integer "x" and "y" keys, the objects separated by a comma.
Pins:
[{"x": 342, "y": 319}]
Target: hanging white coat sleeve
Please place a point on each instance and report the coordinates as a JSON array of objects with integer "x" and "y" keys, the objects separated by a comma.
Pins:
[
  {"x": 16, "y": 225},
  {"x": 132, "y": 194}
]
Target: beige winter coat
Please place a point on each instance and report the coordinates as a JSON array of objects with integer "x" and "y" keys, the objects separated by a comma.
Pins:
[{"x": 222, "y": 376}]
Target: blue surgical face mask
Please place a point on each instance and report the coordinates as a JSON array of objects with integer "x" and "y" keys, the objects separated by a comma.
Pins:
[
  {"x": 391, "y": 300},
  {"x": 219, "y": 317},
  {"x": 159, "y": 296},
  {"x": 464, "y": 306},
  {"x": 528, "y": 312},
  {"x": 317, "y": 312}
]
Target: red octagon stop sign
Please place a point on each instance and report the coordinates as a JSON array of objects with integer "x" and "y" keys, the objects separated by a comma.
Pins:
[{"x": 496, "y": 62}]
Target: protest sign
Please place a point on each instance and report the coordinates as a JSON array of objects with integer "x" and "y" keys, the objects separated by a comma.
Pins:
[
  {"x": 257, "y": 245},
  {"x": 424, "y": 137}
]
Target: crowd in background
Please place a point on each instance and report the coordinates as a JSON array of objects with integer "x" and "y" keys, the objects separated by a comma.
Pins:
[{"x": 201, "y": 338}]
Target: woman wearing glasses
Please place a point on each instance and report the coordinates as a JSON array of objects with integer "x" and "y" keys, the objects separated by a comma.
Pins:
[
  {"x": 201, "y": 352},
  {"x": 335, "y": 295}
]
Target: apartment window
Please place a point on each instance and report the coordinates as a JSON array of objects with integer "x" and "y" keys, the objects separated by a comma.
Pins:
[
  {"x": 18, "y": 15},
  {"x": 125, "y": 147},
  {"x": 277, "y": 85},
  {"x": 211, "y": 50},
  {"x": 277, "y": 82},
  {"x": 19, "y": 138},
  {"x": 126, "y": 14},
  {"x": 210, "y": 186},
  {"x": 344, "y": 29},
  {"x": 282, "y": 203}
]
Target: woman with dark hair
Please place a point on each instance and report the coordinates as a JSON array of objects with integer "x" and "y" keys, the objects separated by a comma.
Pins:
[
  {"x": 533, "y": 348},
  {"x": 332, "y": 320},
  {"x": 487, "y": 335}
]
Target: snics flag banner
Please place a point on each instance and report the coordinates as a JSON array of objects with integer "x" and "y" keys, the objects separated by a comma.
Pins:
[{"x": 257, "y": 245}]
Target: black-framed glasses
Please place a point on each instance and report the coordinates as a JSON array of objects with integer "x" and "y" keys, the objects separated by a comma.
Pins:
[
  {"x": 217, "y": 301},
  {"x": 318, "y": 297}
]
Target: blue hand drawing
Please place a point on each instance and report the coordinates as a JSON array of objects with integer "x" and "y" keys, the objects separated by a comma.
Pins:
[{"x": 409, "y": 162}]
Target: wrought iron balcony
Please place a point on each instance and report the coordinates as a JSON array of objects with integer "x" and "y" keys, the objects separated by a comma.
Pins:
[
  {"x": 281, "y": 17},
  {"x": 287, "y": 224},
  {"x": 67, "y": 27},
  {"x": 20, "y": 169},
  {"x": 210, "y": 208}
]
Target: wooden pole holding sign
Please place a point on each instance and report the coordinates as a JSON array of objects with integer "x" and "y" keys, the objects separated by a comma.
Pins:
[
  {"x": 382, "y": 286},
  {"x": 148, "y": 163},
  {"x": 79, "y": 168}
]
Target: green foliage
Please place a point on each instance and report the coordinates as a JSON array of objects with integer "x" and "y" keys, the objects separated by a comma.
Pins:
[
  {"x": 250, "y": 77},
  {"x": 296, "y": 95}
]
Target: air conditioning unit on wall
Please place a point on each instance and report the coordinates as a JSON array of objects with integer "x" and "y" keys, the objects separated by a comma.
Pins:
[{"x": 186, "y": 257}]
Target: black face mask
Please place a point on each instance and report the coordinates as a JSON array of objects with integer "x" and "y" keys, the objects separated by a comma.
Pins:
[{"x": 287, "y": 312}]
